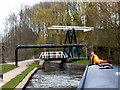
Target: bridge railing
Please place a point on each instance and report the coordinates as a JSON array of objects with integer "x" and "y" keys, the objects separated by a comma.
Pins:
[{"x": 55, "y": 54}]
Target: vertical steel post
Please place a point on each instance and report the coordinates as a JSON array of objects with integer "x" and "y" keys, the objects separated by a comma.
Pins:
[
  {"x": 75, "y": 39},
  {"x": 67, "y": 37},
  {"x": 16, "y": 57},
  {"x": 71, "y": 37}
]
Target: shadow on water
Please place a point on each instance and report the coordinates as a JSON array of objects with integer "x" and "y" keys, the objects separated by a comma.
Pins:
[{"x": 55, "y": 77}]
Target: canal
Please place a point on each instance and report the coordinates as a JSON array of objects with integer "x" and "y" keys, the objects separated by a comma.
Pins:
[{"x": 53, "y": 76}]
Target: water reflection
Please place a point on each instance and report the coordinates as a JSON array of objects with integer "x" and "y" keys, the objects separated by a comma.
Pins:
[{"x": 54, "y": 77}]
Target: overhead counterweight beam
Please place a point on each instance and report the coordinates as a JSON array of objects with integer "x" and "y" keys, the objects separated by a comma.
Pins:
[{"x": 85, "y": 29}]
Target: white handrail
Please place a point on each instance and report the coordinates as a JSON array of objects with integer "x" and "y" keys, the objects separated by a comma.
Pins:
[{"x": 54, "y": 54}]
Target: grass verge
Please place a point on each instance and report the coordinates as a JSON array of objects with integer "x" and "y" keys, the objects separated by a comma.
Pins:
[
  {"x": 58, "y": 61},
  {"x": 6, "y": 67},
  {"x": 80, "y": 62},
  {"x": 15, "y": 81}
]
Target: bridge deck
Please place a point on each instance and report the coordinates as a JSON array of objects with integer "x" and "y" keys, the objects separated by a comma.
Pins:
[
  {"x": 99, "y": 78},
  {"x": 54, "y": 59}
]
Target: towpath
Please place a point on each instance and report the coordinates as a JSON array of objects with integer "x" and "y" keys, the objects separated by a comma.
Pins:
[{"x": 13, "y": 73}]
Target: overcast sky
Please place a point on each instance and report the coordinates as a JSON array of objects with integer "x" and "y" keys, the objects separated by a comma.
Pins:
[
  {"x": 14, "y": 6},
  {"x": 9, "y": 6}
]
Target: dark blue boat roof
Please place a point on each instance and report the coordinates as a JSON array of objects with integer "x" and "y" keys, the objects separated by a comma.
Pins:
[{"x": 100, "y": 78}]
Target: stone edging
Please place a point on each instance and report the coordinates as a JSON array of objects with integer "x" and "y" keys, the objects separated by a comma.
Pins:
[
  {"x": 69, "y": 65},
  {"x": 26, "y": 79},
  {"x": 78, "y": 66}
]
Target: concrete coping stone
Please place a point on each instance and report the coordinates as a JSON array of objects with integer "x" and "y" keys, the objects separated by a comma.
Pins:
[{"x": 26, "y": 79}]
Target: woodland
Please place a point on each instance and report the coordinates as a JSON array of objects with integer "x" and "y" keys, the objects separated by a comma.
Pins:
[{"x": 30, "y": 27}]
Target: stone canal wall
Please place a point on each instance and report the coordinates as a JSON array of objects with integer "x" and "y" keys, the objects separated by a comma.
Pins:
[{"x": 69, "y": 65}]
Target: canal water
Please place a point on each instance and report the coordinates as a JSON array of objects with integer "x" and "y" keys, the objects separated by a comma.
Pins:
[{"x": 53, "y": 76}]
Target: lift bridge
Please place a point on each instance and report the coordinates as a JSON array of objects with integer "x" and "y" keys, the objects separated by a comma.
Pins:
[{"x": 70, "y": 37}]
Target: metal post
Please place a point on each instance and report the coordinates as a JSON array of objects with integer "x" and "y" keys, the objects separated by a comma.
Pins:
[
  {"x": 16, "y": 57},
  {"x": 1, "y": 77},
  {"x": 88, "y": 51},
  {"x": 75, "y": 39},
  {"x": 67, "y": 37},
  {"x": 71, "y": 38}
]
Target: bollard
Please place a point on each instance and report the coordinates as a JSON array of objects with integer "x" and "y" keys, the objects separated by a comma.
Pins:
[{"x": 1, "y": 77}]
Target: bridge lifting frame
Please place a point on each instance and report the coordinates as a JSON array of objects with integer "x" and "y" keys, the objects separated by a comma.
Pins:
[
  {"x": 44, "y": 46},
  {"x": 70, "y": 36}
]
